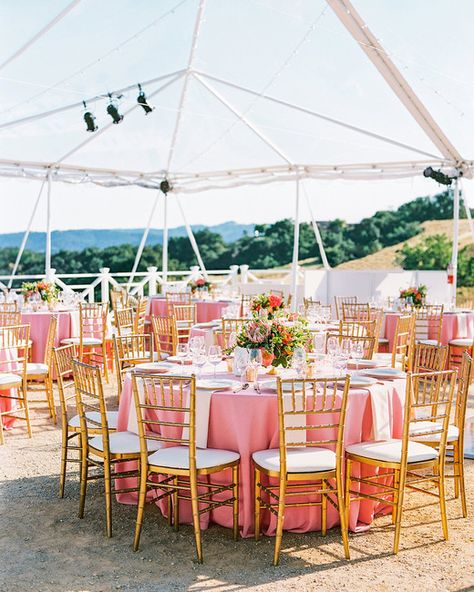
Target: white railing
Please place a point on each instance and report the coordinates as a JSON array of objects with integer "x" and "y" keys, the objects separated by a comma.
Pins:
[{"x": 148, "y": 282}]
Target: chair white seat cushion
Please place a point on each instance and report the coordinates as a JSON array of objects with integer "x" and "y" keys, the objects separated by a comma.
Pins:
[
  {"x": 112, "y": 418},
  {"x": 462, "y": 342},
  {"x": 123, "y": 443},
  {"x": 427, "y": 341},
  {"x": 85, "y": 341},
  {"x": 298, "y": 460},
  {"x": 419, "y": 429},
  {"x": 177, "y": 457},
  {"x": 383, "y": 340},
  {"x": 10, "y": 379},
  {"x": 391, "y": 451},
  {"x": 36, "y": 368}
]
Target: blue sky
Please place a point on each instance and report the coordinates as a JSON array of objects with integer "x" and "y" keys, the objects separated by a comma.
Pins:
[{"x": 253, "y": 43}]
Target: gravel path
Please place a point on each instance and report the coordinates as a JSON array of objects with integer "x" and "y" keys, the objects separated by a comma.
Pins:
[{"x": 45, "y": 547}]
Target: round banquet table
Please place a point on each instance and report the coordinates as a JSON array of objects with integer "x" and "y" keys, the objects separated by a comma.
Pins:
[
  {"x": 455, "y": 325},
  {"x": 206, "y": 310},
  {"x": 39, "y": 326},
  {"x": 247, "y": 421}
]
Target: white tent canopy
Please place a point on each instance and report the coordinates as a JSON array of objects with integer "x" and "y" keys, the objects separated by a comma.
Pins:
[{"x": 237, "y": 88}]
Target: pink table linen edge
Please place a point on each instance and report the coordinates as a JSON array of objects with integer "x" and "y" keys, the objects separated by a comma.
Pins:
[
  {"x": 247, "y": 422},
  {"x": 206, "y": 310}
]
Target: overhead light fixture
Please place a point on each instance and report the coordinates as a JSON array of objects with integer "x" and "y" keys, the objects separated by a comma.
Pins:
[
  {"x": 113, "y": 111},
  {"x": 439, "y": 176},
  {"x": 141, "y": 100},
  {"x": 165, "y": 186},
  {"x": 89, "y": 119}
]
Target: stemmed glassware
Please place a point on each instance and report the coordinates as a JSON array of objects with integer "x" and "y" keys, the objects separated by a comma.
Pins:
[
  {"x": 199, "y": 360},
  {"x": 255, "y": 361},
  {"x": 298, "y": 362},
  {"x": 241, "y": 361},
  {"x": 182, "y": 351},
  {"x": 215, "y": 356}
]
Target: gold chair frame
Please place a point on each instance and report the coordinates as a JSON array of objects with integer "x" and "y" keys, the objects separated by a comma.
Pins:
[
  {"x": 130, "y": 350},
  {"x": 428, "y": 319},
  {"x": 165, "y": 335},
  {"x": 429, "y": 358},
  {"x": 340, "y": 300}
]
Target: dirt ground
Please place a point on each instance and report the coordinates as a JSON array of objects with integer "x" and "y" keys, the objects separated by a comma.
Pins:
[{"x": 45, "y": 547}]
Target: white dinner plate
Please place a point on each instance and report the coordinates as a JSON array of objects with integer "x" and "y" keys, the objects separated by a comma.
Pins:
[
  {"x": 272, "y": 385},
  {"x": 154, "y": 367},
  {"x": 207, "y": 325},
  {"x": 176, "y": 360},
  {"x": 363, "y": 364},
  {"x": 388, "y": 373},
  {"x": 362, "y": 381},
  {"x": 216, "y": 385}
]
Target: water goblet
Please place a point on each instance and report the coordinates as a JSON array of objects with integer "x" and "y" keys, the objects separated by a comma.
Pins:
[
  {"x": 298, "y": 362},
  {"x": 241, "y": 361},
  {"x": 182, "y": 350},
  {"x": 199, "y": 360},
  {"x": 215, "y": 356},
  {"x": 255, "y": 361}
]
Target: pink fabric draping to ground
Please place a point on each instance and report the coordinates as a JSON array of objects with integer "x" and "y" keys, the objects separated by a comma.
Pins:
[
  {"x": 246, "y": 422},
  {"x": 39, "y": 326},
  {"x": 8, "y": 404},
  {"x": 206, "y": 310},
  {"x": 455, "y": 325}
]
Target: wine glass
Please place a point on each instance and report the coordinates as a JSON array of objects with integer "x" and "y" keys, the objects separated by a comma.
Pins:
[
  {"x": 319, "y": 339},
  {"x": 332, "y": 346},
  {"x": 196, "y": 344},
  {"x": 298, "y": 362},
  {"x": 241, "y": 361},
  {"x": 199, "y": 360},
  {"x": 182, "y": 350},
  {"x": 255, "y": 361},
  {"x": 215, "y": 356},
  {"x": 357, "y": 350}
]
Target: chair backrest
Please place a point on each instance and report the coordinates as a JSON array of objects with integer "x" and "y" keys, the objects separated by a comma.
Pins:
[
  {"x": 429, "y": 322},
  {"x": 89, "y": 399},
  {"x": 312, "y": 412},
  {"x": 8, "y": 318},
  {"x": 50, "y": 339},
  {"x": 357, "y": 328},
  {"x": 403, "y": 342},
  {"x": 229, "y": 326},
  {"x": 165, "y": 334},
  {"x": 340, "y": 300},
  {"x": 428, "y": 399},
  {"x": 14, "y": 349},
  {"x": 355, "y": 311},
  {"x": 130, "y": 350},
  {"x": 166, "y": 411},
  {"x": 63, "y": 357},
  {"x": 124, "y": 319},
  {"x": 245, "y": 302},
  {"x": 366, "y": 342},
  {"x": 9, "y": 306},
  {"x": 464, "y": 381},
  {"x": 118, "y": 297},
  {"x": 184, "y": 312},
  {"x": 93, "y": 319},
  {"x": 429, "y": 358},
  {"x": 140, "y": 316}
]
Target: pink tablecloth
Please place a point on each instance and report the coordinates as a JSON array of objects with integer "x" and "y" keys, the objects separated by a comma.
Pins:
[
  {"x": 246, "y": 422},
  {"x": 7, "y": 403},
  {"x": 206, "y": 310},
  {"x": 39, "y": 326},
  {"x": 455, "y": 325}
]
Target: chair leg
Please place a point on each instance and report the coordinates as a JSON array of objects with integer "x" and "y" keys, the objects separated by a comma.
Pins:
[
  {"x": 27, "y": 411},
  {"x": 257, "y": 477},
  {"x": 460, "y": 478},
  {"x": 176, "y": 505},
  {"x": 83, "y": 484},
  {"x": 343, "y": 514},
  {"x": 399, "y": 508},
  {"x": 195, "y": 509},
  {"x": 64, "y": 451},
  {"x": 280, "y": 519},
  {"x": 235, "y": 503},
  {"x": 104, "y": 357},
  {"x": 442, "y": 500},
  {"x": 396, "y": 479},
  {"x": 50, "y": 396},
  {"x": 2, "y": 437},
  {"x": 324, "y": 509},
  {"x": 108, "y": 496},
  {"x": 141, "y": 505},
  {"x": 347, "y": 491}
]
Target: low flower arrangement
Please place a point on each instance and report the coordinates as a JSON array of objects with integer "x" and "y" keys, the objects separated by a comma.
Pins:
[
  {"x": 199, "y": 285},
  {"x": 47, "y": 291},
  {"x": 276, "y": 338},
  {"x": 414, "y": 295},
  {"x": 269, "y": 305}
]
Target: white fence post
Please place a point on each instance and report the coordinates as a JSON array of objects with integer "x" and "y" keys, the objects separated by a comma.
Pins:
[
  {"x": 104, "y": 283},
  {"x": 234, "y": 272},
  {"x": 195, "y": 272},
  {"x": 152, "y": 280},
  {"x": 50, "y": 276},
  {"x": 244, "y": 270}
]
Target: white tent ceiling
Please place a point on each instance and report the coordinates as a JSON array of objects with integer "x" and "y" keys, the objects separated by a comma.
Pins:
[{"x": 244, "y": 68}]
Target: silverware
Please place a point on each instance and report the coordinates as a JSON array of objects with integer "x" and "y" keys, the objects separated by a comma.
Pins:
[{"x": 242, "y": 387}]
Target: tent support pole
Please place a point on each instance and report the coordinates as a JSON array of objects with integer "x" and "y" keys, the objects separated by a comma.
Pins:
[
  {"x": 468, "y": 211},
  {"x": 26, "y": 235},
  {"x": 192, "y": 238},
  {"x": 165, "y": 241},
  {"x": 142, "y": 242},
  {"x": 47, "y": 265},
  {"x": 296, "y": 245},
  {"x": 454, "y": 259},
  {"x": 317, "y": 234}
]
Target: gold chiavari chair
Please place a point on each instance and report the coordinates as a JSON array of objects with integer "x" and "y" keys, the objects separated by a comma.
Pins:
[
  {"x": 456, "y": 350},
  {"x": 185, "y": 315},
  {"x": 139, "y": 320},
  {"x": 39, "y": 376},
  {"x": 102, "y": 452},
  {"x": 340, "y": 300},
  {"x": 305, "y": 454},
  {"x": 429, "y": 397},
  {"x": 366, "y": 343},
  {"x": 403, "y": 344},
  {"x": 124, "y": 320},
  {"x": 429, "y": 358},
  {"x": 130, "y": 350},
  {"x": 428, "y": 432},
  {"x": 166, "y": 412},
  {"x": 177, "y": 298},
  {"x": 310, "y": 301},
  {"x": 13, "y": 360},
  {"x": 428, "y": 323},
  {"x": 355, "y": 311},
  {"x": 93, "y": 329},
  {"x": 70, "y": 424},
  {"x": 118, "y": 297},
  {"x": 378, "y": 315},
  {"x": 229, "y": 326},
  {"x": 325, "y": 310},
  {"x": 165, "y": 336},
  {"x": 9, "y": 306},
  {"x": 358, "y": 328},
  {"x": 10, "y": 317}
]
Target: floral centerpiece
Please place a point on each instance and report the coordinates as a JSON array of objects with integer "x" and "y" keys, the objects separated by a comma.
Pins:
[
  {"x": 198, "y": 285},
  {"x": 269, "y": 305},
  {"x": 414, "y": 295},
  {"x": 276, "y": 338},
  {"x": 47, "y": 291}
]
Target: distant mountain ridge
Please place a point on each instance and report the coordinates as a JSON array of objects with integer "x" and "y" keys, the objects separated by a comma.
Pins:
[{"x": 77, "y": 240}]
